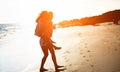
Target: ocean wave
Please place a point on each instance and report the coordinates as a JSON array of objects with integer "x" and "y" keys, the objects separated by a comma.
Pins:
[{"x": 6, "y": 28}]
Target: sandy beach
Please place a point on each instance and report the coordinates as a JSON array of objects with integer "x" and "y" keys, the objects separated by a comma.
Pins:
[{"x": 85, "y": 49}]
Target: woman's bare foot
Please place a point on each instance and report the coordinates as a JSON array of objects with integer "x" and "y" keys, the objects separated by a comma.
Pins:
[
  {"x": 57, "y": 67},
  {"x": 43, "y": 69}
]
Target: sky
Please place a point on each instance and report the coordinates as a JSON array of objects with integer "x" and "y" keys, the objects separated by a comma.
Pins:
[{"x": 26, "y": 11}]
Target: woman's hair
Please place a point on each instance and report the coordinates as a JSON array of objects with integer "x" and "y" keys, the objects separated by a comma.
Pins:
[{"x": 44, "y": 15}]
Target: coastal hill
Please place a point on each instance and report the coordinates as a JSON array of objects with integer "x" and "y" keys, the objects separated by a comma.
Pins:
[{"x": 110, "y": 16}]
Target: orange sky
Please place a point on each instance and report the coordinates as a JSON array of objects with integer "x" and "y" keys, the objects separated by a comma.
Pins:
[{"x": 25, "y": 11}]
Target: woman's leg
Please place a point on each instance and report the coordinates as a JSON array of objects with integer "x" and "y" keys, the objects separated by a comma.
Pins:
[
  {"x": 53, "y": 56},
  {"x": 45, "y": 52}
]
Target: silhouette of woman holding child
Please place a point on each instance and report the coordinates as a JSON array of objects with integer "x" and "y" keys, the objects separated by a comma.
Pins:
[{"x": 44, "y": 30}]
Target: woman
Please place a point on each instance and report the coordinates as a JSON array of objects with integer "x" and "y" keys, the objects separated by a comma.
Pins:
[
  {"x": 45, "y": 27},
  {"x": 45, "y": 21}
]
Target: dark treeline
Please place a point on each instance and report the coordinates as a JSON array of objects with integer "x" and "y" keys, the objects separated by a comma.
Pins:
[{"x": 110, "y": 16}]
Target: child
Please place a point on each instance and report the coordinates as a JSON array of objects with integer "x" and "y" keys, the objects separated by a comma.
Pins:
[{"x": 45, "y": 28}]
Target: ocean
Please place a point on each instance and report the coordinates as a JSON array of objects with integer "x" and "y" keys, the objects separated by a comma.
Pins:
[
  {"x": 19, "y": 48},
  {"x": 5, "y": 28}
]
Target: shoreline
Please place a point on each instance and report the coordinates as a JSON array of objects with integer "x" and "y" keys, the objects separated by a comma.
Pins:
[{"x": 91, "y": 49}]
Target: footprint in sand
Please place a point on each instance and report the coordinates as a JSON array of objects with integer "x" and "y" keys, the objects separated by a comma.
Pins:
[
  {"x": 115, "y": 49},
  {"x": 87, "y": 60},
  {"x": 84, "y": 56},
  {"x": 70, "y": 64},
  {"x": 67, "y": 60},
  {"x": 91, "y": 65},
  {"x": 88, "y": 51}
]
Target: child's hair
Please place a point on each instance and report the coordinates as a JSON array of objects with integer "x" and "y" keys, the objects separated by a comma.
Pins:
[{"x": 50, "y": 15}]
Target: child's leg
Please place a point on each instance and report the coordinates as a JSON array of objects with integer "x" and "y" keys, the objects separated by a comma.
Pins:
[
  {"x": 55, "y": 47},
  {"x": 52, "y": 41}
]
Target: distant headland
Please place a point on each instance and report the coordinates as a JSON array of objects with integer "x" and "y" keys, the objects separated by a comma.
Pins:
[{"x": 110, "y": 16}]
